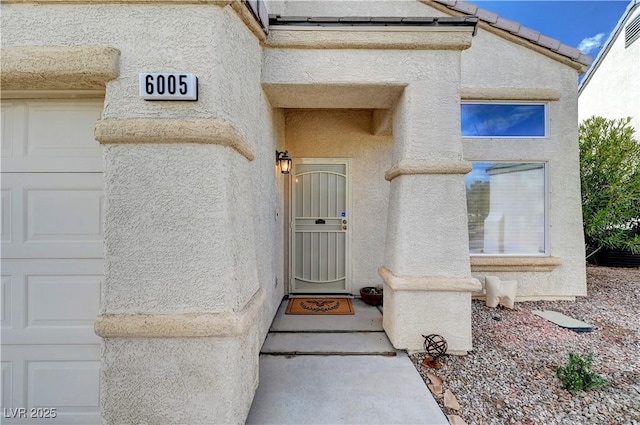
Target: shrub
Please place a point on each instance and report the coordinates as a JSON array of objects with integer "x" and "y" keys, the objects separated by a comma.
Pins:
[
  {"x": 610, "y": 179},
  {"x": 577, "y": 375},
  {"x": 372, "y": 290}
]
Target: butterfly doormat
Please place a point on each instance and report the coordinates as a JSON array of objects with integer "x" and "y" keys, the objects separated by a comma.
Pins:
[{"x": 323, "y": 306}]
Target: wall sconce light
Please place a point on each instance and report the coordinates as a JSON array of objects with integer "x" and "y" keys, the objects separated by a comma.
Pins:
[{"x": 283, "y": 160}]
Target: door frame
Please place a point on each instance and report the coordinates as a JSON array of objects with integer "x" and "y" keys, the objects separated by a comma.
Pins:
[{"x": 349, "y": 205}]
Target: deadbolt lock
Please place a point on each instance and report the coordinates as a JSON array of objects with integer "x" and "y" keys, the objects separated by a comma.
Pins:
[{"x": 344, "y": 221}]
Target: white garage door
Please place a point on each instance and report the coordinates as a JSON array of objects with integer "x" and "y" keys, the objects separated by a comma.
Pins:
[{"x": 52, "y": 267}]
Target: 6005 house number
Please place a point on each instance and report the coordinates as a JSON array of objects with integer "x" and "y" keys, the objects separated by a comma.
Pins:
[{"x": 168, "y": 86}]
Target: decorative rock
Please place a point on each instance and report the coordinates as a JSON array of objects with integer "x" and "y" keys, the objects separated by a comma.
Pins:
[
  {"x": 523, "y": 350},
  {"x": 435, "y": 389},
  {"x": 456, "y": 420},
  {"x": 450, "y": 400},
  {"x": 434, "y": 379},
  {"x": 429, "y": 363}
]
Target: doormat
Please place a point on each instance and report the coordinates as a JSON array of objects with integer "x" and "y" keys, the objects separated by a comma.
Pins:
[{"x": 323, "y": 306}]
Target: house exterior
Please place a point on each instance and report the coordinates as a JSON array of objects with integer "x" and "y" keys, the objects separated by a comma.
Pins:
[
  {"x": 433, "y": 144},
  {"x": 610, "y": 87}
]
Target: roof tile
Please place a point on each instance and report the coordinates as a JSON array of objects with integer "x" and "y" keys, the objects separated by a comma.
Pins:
[
  {"x": 290, "y": 18},
  {"x": 515, "y": 28},
  {"x": 529, "y": 34},
  {"x": 548, "y": 42},
  {"x": 352, "y": 19},
  {"x": 320, "y": 19},
  {"x": 585, "y": 59},
  {"x": 446, "y": 19},
  {"x": 385, "y": 19},
  {"x": 418, "y": 19},
  {"x": 464, "y": 7},
  {"x": 506, "y": 24},
  {"x": 569, "y": 51},
  {"x": 396, "y": 21},
  {"x": 487, "y": 16}
]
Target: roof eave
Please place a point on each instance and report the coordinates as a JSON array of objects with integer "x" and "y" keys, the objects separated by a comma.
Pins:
[
  {"x": 365, "y": 21},
  {"x": 512, "y": 31}
]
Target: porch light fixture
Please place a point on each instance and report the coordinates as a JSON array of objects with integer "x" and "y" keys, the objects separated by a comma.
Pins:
[{"x": 283, "y": 160}]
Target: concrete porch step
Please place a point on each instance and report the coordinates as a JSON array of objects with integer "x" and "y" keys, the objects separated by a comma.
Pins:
[
  {"x": 328, "y": 343},
  {"x": 366, "y": 318}
]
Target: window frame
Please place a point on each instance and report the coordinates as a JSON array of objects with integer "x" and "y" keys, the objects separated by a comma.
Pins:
[
  {"x": 547, "y": 209},
  {"x": 502, "y": 102}
]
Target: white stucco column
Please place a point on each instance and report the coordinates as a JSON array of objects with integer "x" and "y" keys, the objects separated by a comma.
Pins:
[
  {"x": 427, "y": 271},
  {"x": 182, "y": 306},
  {"x": 181, "y": 294}
]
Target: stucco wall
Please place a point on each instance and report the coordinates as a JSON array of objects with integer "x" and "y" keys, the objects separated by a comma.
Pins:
[
  {"x": 204, "y": 40},
  {"x": 244, "y": 199},
  {"x": 524, "y": 74},
  {"x": 189, "y": 228},
  {"x": 169, "y": 243},
  {"x": 200, "y": 380},
  {"x": 426, "y": 233},
  {"x": 151, "y": 38},
  {"x": 347, "y": 134},
  {"x": 350, "y": 8},
  {"x": 532, "y": 72},
  {"x": 613, "y": 90},
  {"x": 284, "y": 66},
  {"x": 268, "y": 192}
]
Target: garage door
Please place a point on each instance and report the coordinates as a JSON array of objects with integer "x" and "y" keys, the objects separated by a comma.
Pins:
[{"x": 52, "y": 267}]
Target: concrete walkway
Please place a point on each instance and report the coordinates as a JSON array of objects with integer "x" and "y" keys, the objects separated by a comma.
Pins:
[{"x": 338, "y": 370}]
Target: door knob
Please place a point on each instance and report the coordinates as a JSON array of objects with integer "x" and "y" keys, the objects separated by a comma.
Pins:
[{"x": 344, "y": 227}]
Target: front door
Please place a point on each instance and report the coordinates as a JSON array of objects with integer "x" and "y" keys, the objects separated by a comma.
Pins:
[{"x": 320, "y": 201}]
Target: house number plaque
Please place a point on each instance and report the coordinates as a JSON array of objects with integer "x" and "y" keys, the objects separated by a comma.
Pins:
[{"x": 168, "y": 86}]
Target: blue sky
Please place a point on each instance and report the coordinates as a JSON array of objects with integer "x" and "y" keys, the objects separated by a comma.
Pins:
[
  {"x": 496, "y": 120},
  {"x": 585, "y": 25}
]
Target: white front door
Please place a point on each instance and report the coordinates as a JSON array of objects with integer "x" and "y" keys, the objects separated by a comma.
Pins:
[{"x": 320, "y": 221}]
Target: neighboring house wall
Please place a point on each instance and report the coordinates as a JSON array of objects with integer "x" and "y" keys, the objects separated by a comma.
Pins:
[{"x": 611, "y": 89}]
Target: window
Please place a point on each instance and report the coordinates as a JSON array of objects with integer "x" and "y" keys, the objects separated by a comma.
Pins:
[
  {"x": 632, "y": 31},
  {"x": 506, "y": 208},
  {"x": 503, "y": 119}
]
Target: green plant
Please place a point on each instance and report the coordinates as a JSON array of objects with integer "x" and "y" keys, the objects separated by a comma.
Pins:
[
  {"x": 610, "y": 179},
  {"x": 372, "y": 290},
  {"x": 577, "y": 375}
]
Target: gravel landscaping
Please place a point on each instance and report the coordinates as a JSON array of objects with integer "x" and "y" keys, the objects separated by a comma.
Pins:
[{"x": 510, "y": 376}]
